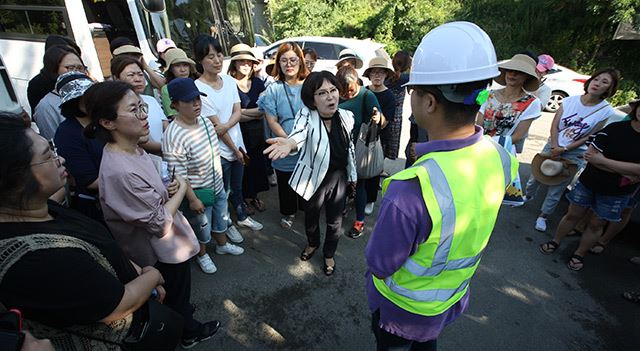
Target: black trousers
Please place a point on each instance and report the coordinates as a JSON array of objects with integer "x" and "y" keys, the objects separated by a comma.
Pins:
[
  {"x": 372, "y": 186},
  {"x": 331, "y": 194},
  {"x": 177, "y": 284},
  {"x": 290, "y": 201},
  {"x": 386, "y": 341}
]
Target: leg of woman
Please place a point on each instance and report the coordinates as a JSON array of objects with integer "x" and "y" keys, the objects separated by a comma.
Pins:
[
  {"x": 614, "y": 228},
  {"x": 237, "y": 171},
  {"x": 312, "y": 219},
  {"x": 361, "y": 199},
  {"x": 590, "y": 235},
  {"x": 552, "y": 199},
  {"x": 573, "y": 216},
  {"x": 372, "y": 185},
  {"x": 177, "y": 284},
  {"x": 532, "y": 187},
  {"x": 286, "y": 196},
  {"x": 336, "y": 189}
]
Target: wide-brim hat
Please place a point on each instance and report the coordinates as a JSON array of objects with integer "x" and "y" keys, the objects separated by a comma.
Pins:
[
  {"x": 569, "y": 170},
  {"x": 521, "y": 63},
  {"x": 349, "y": 54},
  {"x": 378, "y": 62},
  {"x": 72, "y": 85},
  {"x": 127, "y": 49},
  {"x": 242, "y": 52},
  {"x": 269, "y": 66},
  {"x": 176, "y": 55}
]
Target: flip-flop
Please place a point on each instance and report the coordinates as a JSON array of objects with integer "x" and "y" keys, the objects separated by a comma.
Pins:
[
  {"x": 597, "y": 249},
  {"x": 551, "y": 247},
  {"x": 576, "y": 263}
]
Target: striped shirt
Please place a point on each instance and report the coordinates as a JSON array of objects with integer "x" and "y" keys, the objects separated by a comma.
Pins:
[{"x": 189, "y": 151}]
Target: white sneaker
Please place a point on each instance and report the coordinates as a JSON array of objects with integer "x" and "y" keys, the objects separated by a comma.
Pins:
[
  {"x": 369, "y": 208},
  {"x": 229, "y": 248},
  {"x": 206, "y": 264},
  {"x": 234, "y": 235},
  {"x": 541, "y": 224},
  {"x": 250, "y": 223}
]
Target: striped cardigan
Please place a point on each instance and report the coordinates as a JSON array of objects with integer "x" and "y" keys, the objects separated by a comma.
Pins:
[{"x": 313, "y": 144}]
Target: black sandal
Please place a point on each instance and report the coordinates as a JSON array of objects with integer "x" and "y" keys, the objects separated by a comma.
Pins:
[
  {"x": 576, "y": 263},
  {"x": 329, "y": 270},
  {"x": 549, "y": 247},
  {"x": 306, "y": 256}
]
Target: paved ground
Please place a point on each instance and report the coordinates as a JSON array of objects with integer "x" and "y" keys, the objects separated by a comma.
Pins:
[{"x": 267, "y": 299}]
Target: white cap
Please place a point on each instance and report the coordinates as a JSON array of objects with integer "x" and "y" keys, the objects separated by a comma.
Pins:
[{"x": 455, "y": 52}]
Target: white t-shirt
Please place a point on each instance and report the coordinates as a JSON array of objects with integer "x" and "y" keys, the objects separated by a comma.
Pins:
[
  {"x": 156, "y": 116},
  {"x": 577, "y": 119},
  {"x": 220, "y": 103}
]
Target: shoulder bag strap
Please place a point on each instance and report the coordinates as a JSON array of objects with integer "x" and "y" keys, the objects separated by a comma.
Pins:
[
  {"x": 213, "y": 164},
  {"x": 286, "y": 93}
]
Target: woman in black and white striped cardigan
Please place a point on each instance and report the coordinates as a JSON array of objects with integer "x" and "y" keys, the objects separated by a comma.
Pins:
[{"x": 326, "y": 166}]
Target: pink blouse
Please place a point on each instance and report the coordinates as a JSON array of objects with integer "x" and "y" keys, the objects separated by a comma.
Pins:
[{"x": 132, "y": 197}]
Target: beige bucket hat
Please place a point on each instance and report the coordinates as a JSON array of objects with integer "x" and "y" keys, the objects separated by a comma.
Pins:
[
  {"x": 176, "y": 55},
  {"x": 378, "y": 62},
  {"x": 242, "y": 52},
  {"x": 550, "y": 171},
  {"x": 521, "y": 63}
]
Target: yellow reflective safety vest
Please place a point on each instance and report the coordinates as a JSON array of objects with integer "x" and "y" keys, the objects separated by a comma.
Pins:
[{"x": 463, "y": 190}]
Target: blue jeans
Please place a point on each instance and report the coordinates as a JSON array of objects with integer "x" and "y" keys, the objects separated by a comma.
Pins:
[
  {"x": 232, "y": 172},
  {"x": 607, "y": 207},
  {"x": 200, "y": 222},
  {"x": 554, "y": 192},
  {"x": 220, "y": 221}
]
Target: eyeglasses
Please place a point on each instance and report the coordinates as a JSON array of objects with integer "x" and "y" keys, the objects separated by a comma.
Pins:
[
  {"x": 324, "y": 94},
  {"x": 141, "y": 111},
  {"x": 76, "y": 68},
  {"x": 54, "y": 155},
  {"x": 292, "y": 61}
]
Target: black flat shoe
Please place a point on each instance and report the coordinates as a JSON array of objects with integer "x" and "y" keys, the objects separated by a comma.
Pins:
[
  {"x": 306, "y": 256},
  {"x": 329, "y": 270}
]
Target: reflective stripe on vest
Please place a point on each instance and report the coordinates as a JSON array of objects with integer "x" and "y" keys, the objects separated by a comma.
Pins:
[
  {"x": 506, "y": 161},
  {"x": 444, "y": 198}
]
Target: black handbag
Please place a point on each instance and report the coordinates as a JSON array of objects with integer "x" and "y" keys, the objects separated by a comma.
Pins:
[{"x": 162, "y": 329}]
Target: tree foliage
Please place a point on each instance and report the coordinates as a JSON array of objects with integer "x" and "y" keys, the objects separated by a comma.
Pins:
[{"x": 577, "y": 33}]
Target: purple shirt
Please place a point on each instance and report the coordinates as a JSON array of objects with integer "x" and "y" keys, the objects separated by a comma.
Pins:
[{"x": 402, "y": 225}]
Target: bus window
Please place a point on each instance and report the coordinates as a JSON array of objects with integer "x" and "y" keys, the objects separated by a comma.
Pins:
[
  {"x": 112, "y": 17},
  {"x": 33, "y": 19},
  {"x": 187, "y": 19}
]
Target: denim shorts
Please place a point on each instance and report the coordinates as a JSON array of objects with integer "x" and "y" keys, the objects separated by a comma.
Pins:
[
  {"x": 607, "y": 207},
  {"x": 200, "y": 222},
  {"x": 220, "y": 214}
]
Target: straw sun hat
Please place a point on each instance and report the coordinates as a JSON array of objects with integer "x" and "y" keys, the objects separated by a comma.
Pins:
[
  {"x": 521, "y": 63},
  {"x": 550, "y": 171},
  {"x": 242, "y": 52},
  {"x": 378, "y": 62}
]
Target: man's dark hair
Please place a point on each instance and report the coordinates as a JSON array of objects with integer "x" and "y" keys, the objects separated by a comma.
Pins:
[
  {"x": 118, "y": 42},
  {"x": 456, "y": 114}
]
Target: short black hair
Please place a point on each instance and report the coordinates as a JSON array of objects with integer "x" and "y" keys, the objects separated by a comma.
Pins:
[
  {"x": 101, "y": 101},
  {"x": 120, "y": 62},
  {"x": 314, "y": 82},
  {"x": 201, "y": 46},
  {"x": 457, "y": 114},
  {"x": 530, "y": 54},
  {"x": 17, "y": 182},
  {"x": 118, "y": 42},
  {"x": 59, "y": 40}
]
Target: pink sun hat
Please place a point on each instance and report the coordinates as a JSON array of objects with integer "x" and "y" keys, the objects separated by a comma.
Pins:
[{"x": 545, "y": 63}]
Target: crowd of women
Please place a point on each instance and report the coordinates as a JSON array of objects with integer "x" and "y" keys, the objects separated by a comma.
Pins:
[
  {"x": 146, "y": 165},
  {"x": 132, "y": 177}
]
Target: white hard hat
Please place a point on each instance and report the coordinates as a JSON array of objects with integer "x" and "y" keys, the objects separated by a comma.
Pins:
[{"x": 455, "y": 52}]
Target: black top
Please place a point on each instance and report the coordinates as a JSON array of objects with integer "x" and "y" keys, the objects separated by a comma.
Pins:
[
  {"x": 338, "y": 144},
  {"x": 252, "y": 131},
  {"x": 66, "y": 286},
  {"x": 387, "y": 102},
  {"x": 38, "y": 87},
  {"x": 620, "y": 142}
]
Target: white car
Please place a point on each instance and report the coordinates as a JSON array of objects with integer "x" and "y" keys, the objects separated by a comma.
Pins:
[
  {"x": 563, "y": 82},
  {"x": 328, "y": 49}
]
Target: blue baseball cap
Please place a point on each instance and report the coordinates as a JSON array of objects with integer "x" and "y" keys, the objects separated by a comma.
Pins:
[{"x": 183, "y": 89}]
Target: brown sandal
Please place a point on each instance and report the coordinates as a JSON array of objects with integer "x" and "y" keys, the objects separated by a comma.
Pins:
[
  {"x": 549, "y": 247},
  {"x": 576, "y": 263}
]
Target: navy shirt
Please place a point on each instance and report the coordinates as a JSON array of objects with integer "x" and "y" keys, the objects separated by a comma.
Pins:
[
  {"x": 252, "y": 131},
  {"x": 82, "y": 155}
]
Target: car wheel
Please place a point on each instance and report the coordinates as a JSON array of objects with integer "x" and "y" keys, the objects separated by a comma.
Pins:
[{"x": 555, "y": 101}]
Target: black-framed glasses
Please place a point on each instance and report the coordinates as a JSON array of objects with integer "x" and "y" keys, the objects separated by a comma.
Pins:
[
  {"x": 140, "y": 111},
  {"x": 54, "y": 155},
  {"x": 324, "y": 94},
  {"x": 292, "y": 61}
]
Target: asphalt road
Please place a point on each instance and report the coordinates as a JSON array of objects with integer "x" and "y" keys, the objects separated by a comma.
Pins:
[{"x": 267, "y": 299}]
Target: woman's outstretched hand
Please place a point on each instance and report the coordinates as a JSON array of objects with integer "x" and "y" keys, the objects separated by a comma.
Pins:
[{"x": 278, "y": 148}]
